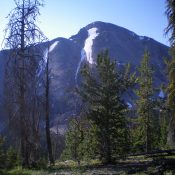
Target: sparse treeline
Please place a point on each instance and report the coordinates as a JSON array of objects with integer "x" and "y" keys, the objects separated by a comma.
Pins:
[
  {"x": 107, "y": 127},
  {"x": 113, "y": 127},
  {"x": 151, "y": 121}
]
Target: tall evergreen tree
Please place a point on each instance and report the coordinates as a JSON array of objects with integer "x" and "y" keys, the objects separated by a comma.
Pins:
[
  {"x": 74, "y": 140},
  {"x": 80, "y": 142},
  {"x": 145, "y": 105},
  {"x": 2, "y": 154},
  {"x": 164, "y": 118},
  {"x": 170, "y": 13},
  {"x": 102, "y": 90}
]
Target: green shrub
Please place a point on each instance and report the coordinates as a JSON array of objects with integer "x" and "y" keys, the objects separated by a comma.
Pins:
[
  {"x": 11, "y": 158},
  {"x": 19, "y": 171},
  {"x": 2, "y": 154}
]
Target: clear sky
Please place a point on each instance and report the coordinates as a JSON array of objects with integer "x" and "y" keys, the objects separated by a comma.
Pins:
[{"x": 63, "y": 18}]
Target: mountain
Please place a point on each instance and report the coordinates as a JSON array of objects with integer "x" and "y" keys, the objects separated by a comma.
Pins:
[{"x": 67, "y": 56}]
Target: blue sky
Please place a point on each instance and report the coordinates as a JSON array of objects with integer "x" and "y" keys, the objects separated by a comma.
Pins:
[{"x": 63, "y": 18}]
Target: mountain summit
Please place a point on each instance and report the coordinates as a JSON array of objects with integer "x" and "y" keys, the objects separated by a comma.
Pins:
[{"x": 67, "y": 56}]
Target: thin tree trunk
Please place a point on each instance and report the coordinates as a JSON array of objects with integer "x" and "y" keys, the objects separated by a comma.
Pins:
[
  {"x": 24, "y": 151},
  {"x": 47, "y": 120},
  {"x": 108, "y": 148}
]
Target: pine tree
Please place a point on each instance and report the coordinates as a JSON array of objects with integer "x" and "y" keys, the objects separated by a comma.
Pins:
[
  {"x": 145, "y": 105},
  {"x": 74, "y": 140},
  {"x": 102, "y": 90},
  {"x": 80, "y": 142},
  {"x": 163, "y": 118},
  {"x": 2, "y": 154},
  {"x": 170, "y": 13},
  {"x": 12, "y": 158}
]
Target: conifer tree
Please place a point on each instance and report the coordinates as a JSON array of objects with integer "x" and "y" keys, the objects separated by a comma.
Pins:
[
  {"x": 80, "y": 142},
  {"x": 170, "y": 29},
  {"x": 102, "y": 90},
  {"x": 2, "y": 154},
  {"x": 164, "y": 118},
  {"x": 170, "y": 13},
  {"x": 145, "y": 105},
  {"x": 74, "y": 140},
  {"x": 11, "y": 158}
]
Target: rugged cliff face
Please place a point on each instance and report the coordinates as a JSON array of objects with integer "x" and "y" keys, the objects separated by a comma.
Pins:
[{"x": 67, "y": 56}]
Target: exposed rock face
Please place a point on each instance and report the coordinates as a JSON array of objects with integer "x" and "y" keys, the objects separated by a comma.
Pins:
[{"x": 67, "y": 56}]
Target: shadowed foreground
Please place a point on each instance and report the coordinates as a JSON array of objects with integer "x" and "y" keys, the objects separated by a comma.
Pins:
[{"x": 133, "y": 165}]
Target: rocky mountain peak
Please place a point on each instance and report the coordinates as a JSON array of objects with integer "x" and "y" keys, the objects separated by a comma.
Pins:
[{"x": 68, "y": 55}]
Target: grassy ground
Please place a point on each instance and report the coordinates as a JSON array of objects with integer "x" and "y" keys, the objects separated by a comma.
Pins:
[{"x": 133, "y": 165}]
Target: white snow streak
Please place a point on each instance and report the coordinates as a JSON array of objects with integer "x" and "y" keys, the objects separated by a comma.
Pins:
[
  {"x": 86, "y": 52},
  {"x": 161, "y": 94},
  {"x": 83, "y": 56},
  {"x": 141, "y": 37},
  {"x": 120, "y": 63},
  {"x": 45, "y": 55},
  {"x": 92, "y": 34},
  {"x": 40, "y": 68},
  {"x": 52, "y": 47},
  {"x": 43, "y": 61},
  {"x": 129, "y": 105},
  {"x": 144, "y": 38}
]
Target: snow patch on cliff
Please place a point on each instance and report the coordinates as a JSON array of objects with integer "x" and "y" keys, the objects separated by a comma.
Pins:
[
  {"x": 83, "y": 56},
  {"x": 161, "y": 94},
  {"x": 129, "y": 105},
  {"x": 86, "y": 52},
  {"x": 52, "y": 47},
  {"x": 92, "y": 34},
  {"x": 43, "y": 61},
  {"x": 45, "y": 57}
]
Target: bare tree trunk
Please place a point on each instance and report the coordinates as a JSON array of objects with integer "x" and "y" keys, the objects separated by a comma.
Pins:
[
  {"x": 47, "y": 119},
  {"x": 24, "y": 151},
  {"x": 22, "y": 35}
]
